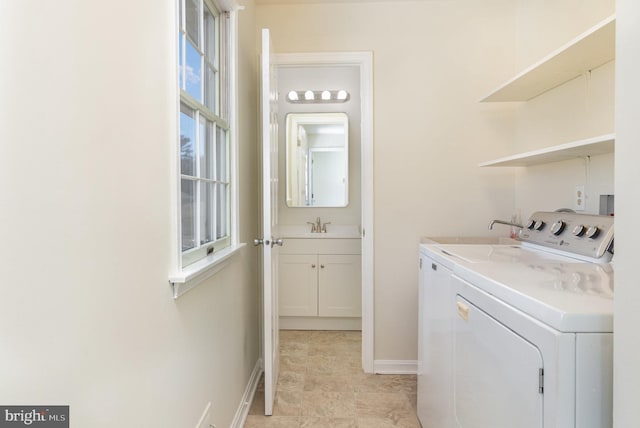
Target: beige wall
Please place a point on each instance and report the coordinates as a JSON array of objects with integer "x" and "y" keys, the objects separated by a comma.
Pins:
[
  {"x": 552, "y": 186},
  {"x": 433, "y": 61},
  {"x": 542, "y": 26},
  {"x": 627, "y": 298},
  {"x": 87, "y": 126}
]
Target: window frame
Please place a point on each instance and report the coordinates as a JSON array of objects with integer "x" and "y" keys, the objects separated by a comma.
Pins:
[{"x": 194, "y": 265}]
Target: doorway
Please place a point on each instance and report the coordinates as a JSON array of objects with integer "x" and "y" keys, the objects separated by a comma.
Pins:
[{"x": 362, "y": 63}]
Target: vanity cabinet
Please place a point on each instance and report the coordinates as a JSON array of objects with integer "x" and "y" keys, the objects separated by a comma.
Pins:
[
  {"x": 339, "y": 287},
  {"x": 320, "y": 283},
  {"x": 298, "y": 285}
]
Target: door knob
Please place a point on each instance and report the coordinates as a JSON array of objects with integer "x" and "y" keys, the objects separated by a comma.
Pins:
[
  {"x": 277, "y": 242},
  {"x": 257, "y": 242}
]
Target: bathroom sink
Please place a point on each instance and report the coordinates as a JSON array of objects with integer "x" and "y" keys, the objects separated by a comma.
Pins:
[{"x": 470, "y": 240}]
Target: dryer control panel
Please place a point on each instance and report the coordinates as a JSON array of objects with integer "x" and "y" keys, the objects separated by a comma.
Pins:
[{"x": 580, "y": 234}]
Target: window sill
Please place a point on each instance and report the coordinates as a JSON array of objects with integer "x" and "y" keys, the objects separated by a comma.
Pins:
[{"x": 195, "y": 273}]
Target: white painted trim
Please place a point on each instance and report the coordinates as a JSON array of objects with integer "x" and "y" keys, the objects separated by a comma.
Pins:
[
  {"x": 205, "y": 418},
  {"x": 199, "y": 271},
  {"x": 247, "y": 398},
  {"x": 175, "y": 228},
  {"x": 395, "y": 366},
  {"x": 233, "y": 126},
  {"x": 368, "y": 280},
  {"x": 363, "y": 60},
  {"x": 320, "y": 323},
  {"x": 310, "y": 59}
]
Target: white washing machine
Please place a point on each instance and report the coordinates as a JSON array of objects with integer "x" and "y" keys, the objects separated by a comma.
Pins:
[{"x": 519, "y": 336}]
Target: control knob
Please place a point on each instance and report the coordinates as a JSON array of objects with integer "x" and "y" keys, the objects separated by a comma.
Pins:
[
  {"x": 557, "y": 227},
  {"x": 539, "y": 225},
  {"x": 578, "y": 230},
  {"x": 530, "y": 224},
  {"x": 592, "y": 232}
]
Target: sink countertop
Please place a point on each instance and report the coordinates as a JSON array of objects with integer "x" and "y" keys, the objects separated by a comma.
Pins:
[
  {"x": 469, "y": 240},
  {"x": 333, "y": 231}
]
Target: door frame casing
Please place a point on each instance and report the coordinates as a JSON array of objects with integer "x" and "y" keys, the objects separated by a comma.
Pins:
[{"x": 364, "y": 62}]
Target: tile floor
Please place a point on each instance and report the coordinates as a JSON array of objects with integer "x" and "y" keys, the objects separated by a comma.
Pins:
[{"x": 322, "y": 385}]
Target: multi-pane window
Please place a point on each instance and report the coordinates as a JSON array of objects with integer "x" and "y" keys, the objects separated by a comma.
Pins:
[{"x": 204, "y": 131}]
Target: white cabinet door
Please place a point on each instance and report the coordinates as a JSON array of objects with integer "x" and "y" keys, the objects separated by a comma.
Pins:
[
  {"x": 339, "y": 286},
  {"x": 497, "y": 378},
  {"x": 298, "y": 285}
]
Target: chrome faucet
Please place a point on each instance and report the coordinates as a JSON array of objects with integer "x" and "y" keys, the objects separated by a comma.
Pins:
[
  {"x": 508, "y": 223},
  {"x": 316, "y": 227}
]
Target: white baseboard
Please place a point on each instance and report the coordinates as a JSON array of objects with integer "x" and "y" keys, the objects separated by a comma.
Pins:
[
  {"x": 320, "y": 323},
  {"x": 395, "y": 366},
  {"x": 247, "y": 398}
]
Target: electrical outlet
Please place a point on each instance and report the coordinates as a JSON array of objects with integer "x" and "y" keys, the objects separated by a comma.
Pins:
[{"x": 580, "y": 198}]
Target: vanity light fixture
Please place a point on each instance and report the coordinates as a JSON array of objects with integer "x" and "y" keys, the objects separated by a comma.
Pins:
[{"x": 325, "y": 96}]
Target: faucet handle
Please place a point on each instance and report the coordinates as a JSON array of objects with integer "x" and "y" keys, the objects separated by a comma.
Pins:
[
  {"x": 324, "y": 226},
  {"x": 313, "y": 227}
]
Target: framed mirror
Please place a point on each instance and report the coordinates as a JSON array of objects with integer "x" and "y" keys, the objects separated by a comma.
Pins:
[{"x": 317, "y": 159}]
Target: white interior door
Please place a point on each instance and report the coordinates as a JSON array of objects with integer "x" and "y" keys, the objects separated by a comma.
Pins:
[{"x": 270, "y": 245}]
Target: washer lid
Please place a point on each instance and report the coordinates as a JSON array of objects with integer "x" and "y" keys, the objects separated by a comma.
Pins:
[
  {"x": 500, "y": 254},
  {"x": 570, "y": 297}
]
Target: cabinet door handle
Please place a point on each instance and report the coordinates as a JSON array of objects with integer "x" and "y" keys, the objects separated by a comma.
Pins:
[
  {"x": 434, "y": 266},
  {"x": 321, "y": 266},
  {"x": 313, "y": 266}
]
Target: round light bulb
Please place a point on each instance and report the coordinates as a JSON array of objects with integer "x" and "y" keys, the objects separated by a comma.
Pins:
[
  {"x": 293, "y": 96},
  {"x": 308, "y": 95},
  {"x": 326, "y": 95},
  {"x": 342, "y": 94}
]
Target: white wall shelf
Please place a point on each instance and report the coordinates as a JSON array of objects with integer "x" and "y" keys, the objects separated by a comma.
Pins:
[
  {"x": 575, "y": 149},
  {"x": 589, "y": 50}
]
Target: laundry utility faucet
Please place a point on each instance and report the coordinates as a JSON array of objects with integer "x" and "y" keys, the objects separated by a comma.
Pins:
[{"x": 508, "y": 223}]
